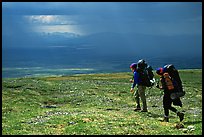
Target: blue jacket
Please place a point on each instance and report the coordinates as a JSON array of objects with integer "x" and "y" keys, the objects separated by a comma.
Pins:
[{"x": 136, "y": 79}]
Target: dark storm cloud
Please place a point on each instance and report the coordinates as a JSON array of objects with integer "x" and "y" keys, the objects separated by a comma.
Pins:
[
  {"x": 102, "y": 16},
  {"x": 116, "y": 22}
]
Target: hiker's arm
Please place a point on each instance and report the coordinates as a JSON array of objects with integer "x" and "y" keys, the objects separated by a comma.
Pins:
[
  {"x": 160, "y": 83},
  {"x": 135, "y": 82}
]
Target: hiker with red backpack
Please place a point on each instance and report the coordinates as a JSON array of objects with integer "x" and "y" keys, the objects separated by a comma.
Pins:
[
  {"x": 140, "y": 80},
  {"x": 171, "y": 83}
]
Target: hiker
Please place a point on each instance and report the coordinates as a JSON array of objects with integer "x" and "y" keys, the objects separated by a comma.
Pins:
[
  {"x": 167, "y": 84},
  {"x": 137, "y": 81}
]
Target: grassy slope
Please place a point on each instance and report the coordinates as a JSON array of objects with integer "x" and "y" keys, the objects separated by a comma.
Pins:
[{"x": 94, "y": 104}]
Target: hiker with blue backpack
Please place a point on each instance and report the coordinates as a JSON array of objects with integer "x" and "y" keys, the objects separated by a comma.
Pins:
[
  {"x": 140, "y": 80},
  {"x": 171, "y": 83}
]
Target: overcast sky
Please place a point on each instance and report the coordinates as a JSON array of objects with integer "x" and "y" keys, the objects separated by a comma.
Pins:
[
  {"x": 135, "y": 29},
  {"x": 155, "y": 18}
]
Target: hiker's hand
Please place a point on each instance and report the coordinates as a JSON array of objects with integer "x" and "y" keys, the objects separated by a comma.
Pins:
[
  {"x": 131, "y": 80},
  {"x": 132, "y": 90}
]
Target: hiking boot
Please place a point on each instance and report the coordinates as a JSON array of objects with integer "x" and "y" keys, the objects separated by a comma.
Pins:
[
  {"x": 181, "y": 115},
  {"x": 166, "y": 119},
  {"x": 143, "y": 110},
  {"x": 137, "y": 109}
]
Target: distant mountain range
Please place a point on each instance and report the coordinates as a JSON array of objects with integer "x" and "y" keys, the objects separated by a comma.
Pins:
[
  {"x": 101, "y": 52},
  {"x": 114, "y": 44},
  {"x": 107, "y": 43}
]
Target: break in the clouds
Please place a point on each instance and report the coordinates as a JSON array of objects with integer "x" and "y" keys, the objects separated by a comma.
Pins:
[
  {"x": 53, "y": 23},
  {"x": 128, "y": 27},
  {"x": 155, "y": 18}
]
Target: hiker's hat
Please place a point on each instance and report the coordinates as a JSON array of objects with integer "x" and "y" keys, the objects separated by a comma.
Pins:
[
  {"x": 133, "y": 65},
  {"x": 159, "y": 71}
]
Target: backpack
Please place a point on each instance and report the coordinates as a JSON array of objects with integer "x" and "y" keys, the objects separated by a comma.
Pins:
[
  {"x": 168, "y": 81},
  {"x": 177, "y": 83},
  {"x": 146, "y": 74}
]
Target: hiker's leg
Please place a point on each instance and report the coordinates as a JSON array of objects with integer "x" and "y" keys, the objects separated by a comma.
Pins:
[
  {"x": 173, "y": 109},
  {"x": 166, "y": 106},
  {"x": 137, "y": 99},
  {"x": 166, "y": 115},
  {"x": 141, "y": 90},
  {"x": 180, "y": 114}
]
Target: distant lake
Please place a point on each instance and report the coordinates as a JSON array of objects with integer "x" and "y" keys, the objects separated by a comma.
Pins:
[{"x": 61, "y": 62}]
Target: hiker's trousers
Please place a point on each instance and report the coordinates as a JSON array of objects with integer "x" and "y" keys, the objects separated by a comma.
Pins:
[{"x": 140, "y": 93}]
